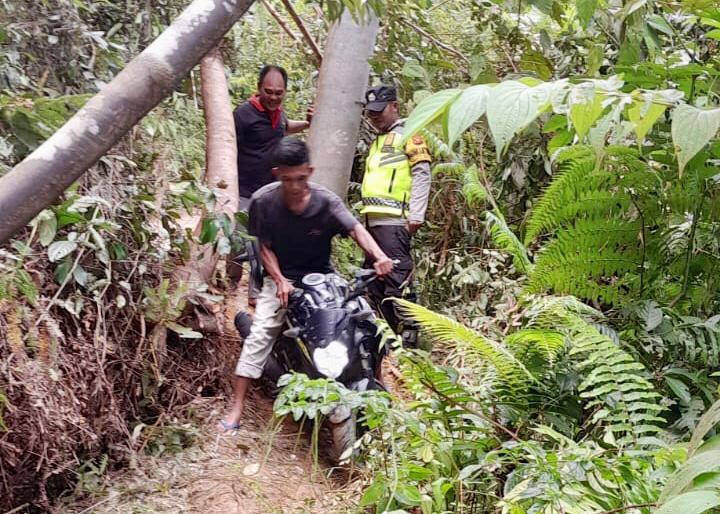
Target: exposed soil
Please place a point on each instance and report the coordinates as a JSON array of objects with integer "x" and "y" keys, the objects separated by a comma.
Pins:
[{"x": 251, "y": 471}]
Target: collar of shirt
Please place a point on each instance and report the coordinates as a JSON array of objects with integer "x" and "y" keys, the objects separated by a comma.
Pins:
[{"x": 274, "y": 116}]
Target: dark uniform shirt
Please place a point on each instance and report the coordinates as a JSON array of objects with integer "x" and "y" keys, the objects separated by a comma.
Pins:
[
  {"x": 256, "y": 140},
  {"x": 301, "y": 242}
]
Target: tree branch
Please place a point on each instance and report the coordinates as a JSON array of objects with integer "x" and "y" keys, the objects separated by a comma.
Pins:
[
  {"x": 276, "y": 15},
  {"x": 444, "y": 46},
  {"x": 306, "y": 35}
]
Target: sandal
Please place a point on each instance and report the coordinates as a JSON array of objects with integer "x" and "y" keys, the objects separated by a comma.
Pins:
[{"x": 225, "y": 426}]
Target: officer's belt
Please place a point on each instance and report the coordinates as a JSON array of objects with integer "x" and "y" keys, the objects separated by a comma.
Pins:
[{"x": 383, "y": 202}]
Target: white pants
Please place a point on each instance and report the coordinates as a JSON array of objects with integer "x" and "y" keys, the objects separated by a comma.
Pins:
[{"x": 267, "y": 323}]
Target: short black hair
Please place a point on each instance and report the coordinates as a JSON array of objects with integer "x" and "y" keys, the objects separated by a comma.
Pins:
[
  {"x": 290, "y": 151},
  {"x": 272, "y": 67}
]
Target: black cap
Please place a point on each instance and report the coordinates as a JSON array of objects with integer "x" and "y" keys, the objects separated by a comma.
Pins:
[{"x": 376, "y": 98}]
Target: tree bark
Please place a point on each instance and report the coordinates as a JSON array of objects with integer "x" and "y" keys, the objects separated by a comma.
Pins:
[
  {"x": 221, "y": 175},
  {"x": 341, "y": 88},
  {"x": 42, "y": 177}
]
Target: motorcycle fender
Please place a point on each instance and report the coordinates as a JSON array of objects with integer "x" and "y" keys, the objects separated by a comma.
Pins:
[{"x": 339, "y": 414}]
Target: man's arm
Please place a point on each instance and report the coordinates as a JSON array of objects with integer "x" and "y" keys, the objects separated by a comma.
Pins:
[
  {"x": 382, "y": 264},
  {"x": 272, "y": 267},
  {"x": 419, "y": 195},
  {"x": 419, "y": 156},
  {"x": 295, "y": 126}
]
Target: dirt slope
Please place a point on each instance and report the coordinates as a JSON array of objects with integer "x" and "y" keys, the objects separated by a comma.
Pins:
[{"x": 250, "y": 472}]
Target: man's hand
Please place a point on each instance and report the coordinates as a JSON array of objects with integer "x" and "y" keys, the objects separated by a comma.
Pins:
[
  {"x": 413, "y": 226},
  {"x": 383, "y": 265},
  {"x": 309, "y": 114},
  {"x": 284, "y": 288}
]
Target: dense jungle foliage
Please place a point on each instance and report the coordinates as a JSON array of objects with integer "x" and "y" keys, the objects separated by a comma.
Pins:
[{"x": 567, "y": 273}]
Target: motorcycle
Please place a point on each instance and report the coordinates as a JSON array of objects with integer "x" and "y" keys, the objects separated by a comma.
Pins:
[{"x": 330, "y": 333}]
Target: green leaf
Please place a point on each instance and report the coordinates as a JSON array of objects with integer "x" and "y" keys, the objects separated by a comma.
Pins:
[
  {"x": 681, "y": 390},
  {"x": 413, "y": 69},
  {"x": 643, "y": 115},
  {"x": 183, "y": 332},
  {"x": 407, "y": 495},
  {"x": 694, "y": 502},
  {"x": 692, "y": 129},
  {"x": 536, "y": 62},
  {"x": 658, "y": 23},
  {"x": 373, "y": 493},
  {"x": 596, "y": 55},
  {"x": 651, "y": 314},
  {"x": 585, "y": 108},
  {"x": 706, "y": 422},
  {"x": 466, "y": 110},
  {"x": 585, "y": 11},
  {"x": 47, "y": 227},
  {"x": 684, "y": 476},
  {"x": 428, "y": 111},
  {"x": 512, "y": 106},
  {"x": 60, "y": 249},
  {"x": 209, "y": 230}
]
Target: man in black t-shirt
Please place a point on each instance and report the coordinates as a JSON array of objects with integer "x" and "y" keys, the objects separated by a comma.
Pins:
[
  {"x": 260, "y": 123},
  {"x": 294, "y": 221}
]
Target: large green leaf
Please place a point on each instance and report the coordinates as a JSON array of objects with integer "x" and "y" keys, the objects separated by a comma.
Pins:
[
  {"x": 683, "y": 477},
  {"x": 692, "y": 129},
  {"x": 707, "y": 421},
  {"x": 694, "y": 502},
  {"x": 428, "y": 111},
  {"x": 512, "y": 106},
  {"x": 466, "y": 110}
]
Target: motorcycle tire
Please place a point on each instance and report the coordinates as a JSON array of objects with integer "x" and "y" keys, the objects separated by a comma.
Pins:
[{"x": 344, "y": 435}]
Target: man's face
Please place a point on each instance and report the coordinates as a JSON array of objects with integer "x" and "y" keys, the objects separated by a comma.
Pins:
[
  {"x": 383, "y": 120},
  {"x": 272, "y": 90},
  {"x": 294, "y": 180}
]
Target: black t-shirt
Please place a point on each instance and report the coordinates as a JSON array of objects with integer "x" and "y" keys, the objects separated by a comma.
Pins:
[
  {"x": 256, "y": 140},
  {"x": 301, "y": 242}
]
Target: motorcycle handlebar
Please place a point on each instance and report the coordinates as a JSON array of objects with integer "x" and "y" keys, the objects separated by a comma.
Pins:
[{"x": 363, "y": 281}]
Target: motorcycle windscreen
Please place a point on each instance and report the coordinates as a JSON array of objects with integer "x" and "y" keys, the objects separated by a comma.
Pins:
[{"x": 324, "y": 326}]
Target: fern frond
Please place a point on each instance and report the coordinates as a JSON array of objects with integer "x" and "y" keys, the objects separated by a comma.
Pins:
[
  {"x": 473, "y": 191},
  {"x": 594, "y": 259},
  {"x": 510, "y": 370},
  {"x": 531, "y": 343},
  {"x": 506, "y": 239},
  {"x": 618, "y": 394},
  {"x": 449, "y": 169},
  {"x": 437, "y": 147}
]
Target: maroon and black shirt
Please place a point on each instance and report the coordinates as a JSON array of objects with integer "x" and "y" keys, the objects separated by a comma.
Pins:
[{"x": 257, "y": 134}]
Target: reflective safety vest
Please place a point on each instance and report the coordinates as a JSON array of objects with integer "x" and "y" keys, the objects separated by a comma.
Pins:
[{"x": 387, "y": 180}]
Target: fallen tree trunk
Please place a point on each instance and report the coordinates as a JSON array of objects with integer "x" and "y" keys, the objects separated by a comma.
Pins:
[
  {"x": 343, "y": 80},
  {"x": 42, "y": 177}
]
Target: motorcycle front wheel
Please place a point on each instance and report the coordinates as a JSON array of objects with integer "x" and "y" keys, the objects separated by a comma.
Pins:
[{"x": 343, "y": 437}]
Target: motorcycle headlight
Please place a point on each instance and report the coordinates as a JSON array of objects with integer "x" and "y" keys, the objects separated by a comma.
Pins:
[{"x": 331, "y": 360}]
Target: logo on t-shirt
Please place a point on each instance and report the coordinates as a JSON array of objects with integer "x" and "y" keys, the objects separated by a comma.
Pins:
[{"x": 315, "y": 232}]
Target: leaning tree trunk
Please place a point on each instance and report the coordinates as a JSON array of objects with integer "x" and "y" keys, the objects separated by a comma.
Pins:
[
  {"x": 343, "y": 79},
  {"x": 221, "y": 176},
  {"x": 41, "y": 178}
]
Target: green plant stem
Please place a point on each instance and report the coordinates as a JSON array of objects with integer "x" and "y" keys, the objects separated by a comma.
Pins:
[
  {"x": 627, "y": 507},
  {"x": 474, "y": 412},
  {"x": 642, "y": 242},
  {"x": 689, "y": 252}
]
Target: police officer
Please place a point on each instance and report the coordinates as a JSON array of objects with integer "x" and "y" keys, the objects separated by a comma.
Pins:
[{"x": 395, "y": 191}]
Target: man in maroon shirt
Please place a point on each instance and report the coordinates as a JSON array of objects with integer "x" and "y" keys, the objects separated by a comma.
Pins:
[{"x": 260, "y": 123}]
